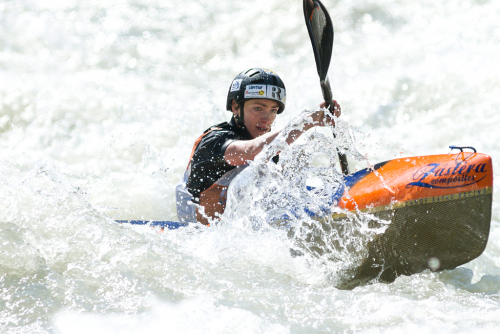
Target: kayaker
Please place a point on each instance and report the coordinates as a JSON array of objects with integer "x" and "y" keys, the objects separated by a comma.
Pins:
[{"x": 255, "y": 97}]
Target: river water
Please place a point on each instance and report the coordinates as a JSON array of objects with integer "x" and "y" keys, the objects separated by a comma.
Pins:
[{"x": 101, "y": 102}]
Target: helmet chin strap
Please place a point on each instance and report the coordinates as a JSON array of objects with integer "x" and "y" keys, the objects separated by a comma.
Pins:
[{"x": 240, "y": 121}]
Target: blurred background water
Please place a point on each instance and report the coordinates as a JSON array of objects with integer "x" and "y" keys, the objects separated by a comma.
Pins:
[{"x": 101, "y": 102}]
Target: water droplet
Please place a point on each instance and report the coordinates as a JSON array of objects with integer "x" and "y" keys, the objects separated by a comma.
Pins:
[{"x": 433, "y": 263}]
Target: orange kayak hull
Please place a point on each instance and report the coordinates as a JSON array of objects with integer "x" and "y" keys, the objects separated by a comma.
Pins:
[{"x": 415, "y": 179}]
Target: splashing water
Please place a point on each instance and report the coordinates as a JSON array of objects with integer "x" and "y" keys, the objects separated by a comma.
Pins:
[{"x": 298, "y": 195}]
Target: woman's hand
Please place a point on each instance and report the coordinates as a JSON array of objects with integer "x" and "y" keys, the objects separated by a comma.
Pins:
[
  {"x": 336, "y": 108},
  {"x": 319, "y": 117}
]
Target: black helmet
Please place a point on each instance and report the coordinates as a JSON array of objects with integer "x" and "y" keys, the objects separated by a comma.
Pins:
[{"x": 257, "y": 83}]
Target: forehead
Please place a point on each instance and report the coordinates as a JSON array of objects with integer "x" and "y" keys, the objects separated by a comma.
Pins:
[{"x": 264, "y": 103}]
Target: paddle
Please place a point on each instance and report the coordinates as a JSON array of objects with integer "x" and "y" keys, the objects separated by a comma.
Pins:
[
  {"x": 320, "y": 28},
  {"x": 155, "y": 223}
]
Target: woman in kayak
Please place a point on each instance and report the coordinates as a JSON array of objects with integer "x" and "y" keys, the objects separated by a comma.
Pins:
[{"x": 255, "y": 97}]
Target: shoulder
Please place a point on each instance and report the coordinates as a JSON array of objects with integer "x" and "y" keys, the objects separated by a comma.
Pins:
[
  {"x": 219, "y": 132},
  {"x": 213, "y": 142}
]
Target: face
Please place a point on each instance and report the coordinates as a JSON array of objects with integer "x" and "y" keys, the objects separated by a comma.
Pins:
[{"x": 259, "y": 115}]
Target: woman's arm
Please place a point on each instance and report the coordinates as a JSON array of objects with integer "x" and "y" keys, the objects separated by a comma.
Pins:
[{"x": 240, "y": 152}]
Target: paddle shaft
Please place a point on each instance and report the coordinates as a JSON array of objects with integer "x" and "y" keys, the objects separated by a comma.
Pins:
[
  {"x": 327, "y": 96},
  {"x": 320, "y": 28}
]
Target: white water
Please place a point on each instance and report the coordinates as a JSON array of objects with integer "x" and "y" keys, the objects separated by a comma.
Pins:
[{"x": 100, "y": 106}]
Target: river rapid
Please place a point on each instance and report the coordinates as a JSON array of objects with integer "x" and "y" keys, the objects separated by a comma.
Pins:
[{"x": 101, "y": 102}]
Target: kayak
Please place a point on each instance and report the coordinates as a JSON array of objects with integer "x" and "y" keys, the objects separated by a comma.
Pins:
[
  {"x": 437, "y": 209},
  {"x": 170, "y": 225}
]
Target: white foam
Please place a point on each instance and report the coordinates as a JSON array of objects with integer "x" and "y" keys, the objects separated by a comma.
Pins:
[{"x": 100, "y": 104}]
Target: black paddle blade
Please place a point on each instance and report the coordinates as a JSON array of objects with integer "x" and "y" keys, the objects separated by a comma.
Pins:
[{"x": 320, "y": 29}]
